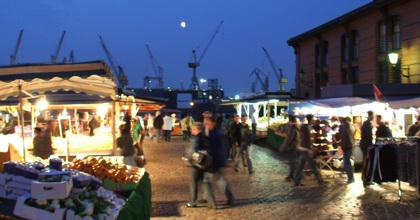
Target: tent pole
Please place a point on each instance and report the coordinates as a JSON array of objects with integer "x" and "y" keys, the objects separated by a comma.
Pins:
[
  {"x": 114, "y": 128},
  {"x": 22, "y": 123}
]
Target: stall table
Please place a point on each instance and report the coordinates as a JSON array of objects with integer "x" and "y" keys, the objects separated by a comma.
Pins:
[{"x": 274, "y": 139}]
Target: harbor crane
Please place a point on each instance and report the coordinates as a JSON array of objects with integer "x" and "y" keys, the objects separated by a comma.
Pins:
[
  {"x": 277, "y": 71},
  {"x": 72, "y": 58},
  {"x": 196, "y": 63},
  {"x": 57, "y": 50},
  {"x": 15, "y": 52},
  {"x": 116, "y": 68},
  {"x": 157, "y": 69},
  {"x": 264, "y": 83}
]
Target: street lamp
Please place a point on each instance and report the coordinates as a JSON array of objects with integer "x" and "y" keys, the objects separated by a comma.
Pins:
[
  {"x": 393, "y": 59},
  {"x": 306, "y": 83}
]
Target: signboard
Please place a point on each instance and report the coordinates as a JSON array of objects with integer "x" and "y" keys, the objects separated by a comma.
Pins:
[{"x": 183, "y": 100}]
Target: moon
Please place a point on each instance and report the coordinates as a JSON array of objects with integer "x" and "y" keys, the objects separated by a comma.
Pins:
[{"x": 183, "y": 24}]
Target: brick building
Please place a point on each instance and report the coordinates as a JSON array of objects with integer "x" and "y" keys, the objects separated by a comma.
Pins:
[{"x": 346, "y": 55}]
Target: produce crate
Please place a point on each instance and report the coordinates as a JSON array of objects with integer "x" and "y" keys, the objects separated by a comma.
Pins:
[
  {"x": 70, "y": 215},
  {"x": 31, "y": 213},
  {"x": 18, "y": 182},
  {"x": 11, "y": 193},
  {"x": 114, "y": 186},
  {"x": 51, "y": 190}
]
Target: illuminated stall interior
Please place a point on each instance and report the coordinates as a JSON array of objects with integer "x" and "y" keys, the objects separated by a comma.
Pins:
[{"x": 75, "y": 98}]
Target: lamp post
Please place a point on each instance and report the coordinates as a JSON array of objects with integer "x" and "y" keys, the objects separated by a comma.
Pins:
[
  {"x": 393, "y": 59},
  {"x": 306, "y": 83}
]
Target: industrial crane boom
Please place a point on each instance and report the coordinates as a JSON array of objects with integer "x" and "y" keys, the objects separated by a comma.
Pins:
[
  {"x": 156, "y": 68},
  {"x": 277, "y": 72},
  {"x": 117, "y": 69},
  {"x": 57, "y": 51},
  {"x": 15, "y": 52},
  {"x": 196, "y": 63},
  {"x": 210, "y": 41},
  {"x": 264, "y": 84}
]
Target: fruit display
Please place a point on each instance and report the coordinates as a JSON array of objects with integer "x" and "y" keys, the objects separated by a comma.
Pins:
[{"x": 102, "y": 169}]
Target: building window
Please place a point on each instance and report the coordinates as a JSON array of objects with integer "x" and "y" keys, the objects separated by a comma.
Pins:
[
  {"x": 354, "y": 77},
  {"x": 321, "y": 54},
  {"x": 350, "y": 75},
  {"x": 325, "y": 78},
  {"x": 345, "y": 76},
  {"x": 355, "y": 44},
  {"x": 318, "y": 55},
  {"x": 345, "y": 45},
  {"x": 383, "y": 72},
  {"x": 382, "y": 37},
  {"x": 396, "y": 34},
  {"x": 325, "y": 60}
]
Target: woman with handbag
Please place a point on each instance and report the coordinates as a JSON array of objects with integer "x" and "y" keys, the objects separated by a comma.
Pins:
[{"x": 199, "y": 142}]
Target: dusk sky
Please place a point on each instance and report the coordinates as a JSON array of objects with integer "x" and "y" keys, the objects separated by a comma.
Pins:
[{"x": 128, "y": 24}]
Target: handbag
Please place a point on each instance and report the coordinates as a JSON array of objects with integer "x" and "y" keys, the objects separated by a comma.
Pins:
[{"x": 201, "y": 159}]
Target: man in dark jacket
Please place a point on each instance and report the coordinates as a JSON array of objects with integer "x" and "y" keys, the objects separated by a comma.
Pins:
[
  {"x": 382, "y": 131},
  {"x": 157, "y": 124},
  {"x": 366, "y": 141},
  {"x": 243, "y": 139},
  {"x": 217, "y": 151},
  {"x": 290, "y": 144}
]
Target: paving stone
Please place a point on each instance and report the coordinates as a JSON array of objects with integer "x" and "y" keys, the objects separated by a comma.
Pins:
[{"x": 266, "y": 195}]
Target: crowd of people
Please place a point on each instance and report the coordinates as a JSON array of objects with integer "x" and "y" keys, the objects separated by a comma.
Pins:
[{"x": 300, "y": 141}]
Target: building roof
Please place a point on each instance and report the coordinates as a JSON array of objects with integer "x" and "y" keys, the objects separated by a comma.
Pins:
[{"x": 374, "y": 5}]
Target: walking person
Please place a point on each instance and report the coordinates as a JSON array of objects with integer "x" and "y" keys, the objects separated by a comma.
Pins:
[
  {"x": 244, "y": 140},
  {"x": 199, "y": 142},
  {"x": 347, "y": 140},
  {"x": 167, "y": 127},
  {"x": 218, "y": 153},
  {"x": 150, "y": 127},
  {"x": 290, "y": 144},
  {"x": 186, "y": 124},
  {"x": 365, "y": 142},
  {"x": 138, "y": 136},
  {"x": 306, "y": 153},
  {"x": 236, "y": 138},
  {"x": 157, "y": 124},
  {"x": 254, "y": 120}
]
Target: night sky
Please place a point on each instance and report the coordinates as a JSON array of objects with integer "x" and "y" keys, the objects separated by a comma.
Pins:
[{"x": 127, "y": 25}]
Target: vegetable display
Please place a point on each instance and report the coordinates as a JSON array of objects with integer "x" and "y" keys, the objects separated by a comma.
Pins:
[{"x": 101, "y": 169}]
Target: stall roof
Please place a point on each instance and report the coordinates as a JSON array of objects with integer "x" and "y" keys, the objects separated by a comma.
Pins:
[
  {"x": 405, "y": 103},
  {"x": 339, "y": 102},
  {"x": 254, "y": 98},
  {"x": 91, "y": 78}
]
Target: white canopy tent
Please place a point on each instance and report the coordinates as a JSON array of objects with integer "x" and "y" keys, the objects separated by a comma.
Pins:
[{"x": 92, "y": 78}]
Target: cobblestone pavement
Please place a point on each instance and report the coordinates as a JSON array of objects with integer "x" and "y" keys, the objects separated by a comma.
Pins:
[{"x": 266, "y": 195}]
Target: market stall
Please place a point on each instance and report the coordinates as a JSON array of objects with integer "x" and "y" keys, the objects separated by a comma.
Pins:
[{"x": 81, "y": 101}]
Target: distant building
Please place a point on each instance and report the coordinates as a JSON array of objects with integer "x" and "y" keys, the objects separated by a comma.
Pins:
[{"x": 346, "y": 55}]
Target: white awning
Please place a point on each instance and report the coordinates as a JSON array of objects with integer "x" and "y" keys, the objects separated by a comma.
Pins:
[{"x": 93, "y": 78}]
